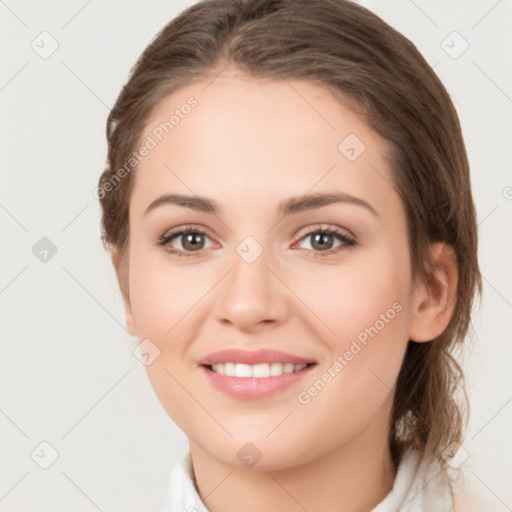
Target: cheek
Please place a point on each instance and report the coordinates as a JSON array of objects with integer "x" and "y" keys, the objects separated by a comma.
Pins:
[
  {"x": 356, "y": 295},
  {"x": 170, "y": 304},
  {"x": 167, "y": 302},
  {"x": 163, "y": 294},
  {"x": 366, "y": 307}
]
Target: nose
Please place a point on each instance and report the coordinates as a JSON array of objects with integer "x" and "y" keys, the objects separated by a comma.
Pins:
[{"x": 251, "y": 297}]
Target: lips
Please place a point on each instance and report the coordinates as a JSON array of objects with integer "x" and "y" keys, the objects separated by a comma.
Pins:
[
  {"x": 252, "y": 357},
  {"x": 254, "y": 374}
]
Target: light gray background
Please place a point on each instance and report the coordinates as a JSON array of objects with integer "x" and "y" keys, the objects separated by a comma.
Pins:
[{"x": 67, "y": 373}]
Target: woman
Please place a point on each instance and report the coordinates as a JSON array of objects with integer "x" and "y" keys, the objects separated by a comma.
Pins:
[{"x": 288, "y": 208}]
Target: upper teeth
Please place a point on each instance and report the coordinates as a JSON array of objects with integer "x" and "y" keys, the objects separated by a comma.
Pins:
[{"x": 257, "y": 370}]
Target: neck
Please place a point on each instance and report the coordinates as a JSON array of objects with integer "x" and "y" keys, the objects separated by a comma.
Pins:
[{"x": 353, "y": 477}]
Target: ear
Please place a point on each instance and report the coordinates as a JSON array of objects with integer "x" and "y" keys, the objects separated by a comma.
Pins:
[
  {"x": 434, "y": 300},
  {"x": 121, "y": 269}
]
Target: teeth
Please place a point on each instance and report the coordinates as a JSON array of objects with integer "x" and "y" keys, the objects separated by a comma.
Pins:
[
  {"x": 259, "y": 371},
  {"x": 243, "y": 370}
]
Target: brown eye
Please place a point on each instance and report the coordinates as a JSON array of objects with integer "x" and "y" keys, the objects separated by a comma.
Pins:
[
  {"x": 322, "y": 241},
  {"x": 192, "y": 241},
  {"x": 185, "y": 242}
]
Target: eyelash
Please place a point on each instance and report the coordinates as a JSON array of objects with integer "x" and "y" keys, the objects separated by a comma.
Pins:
[{"x": 348, "y": 242}]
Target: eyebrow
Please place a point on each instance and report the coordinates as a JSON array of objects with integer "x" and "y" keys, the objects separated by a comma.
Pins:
[{"x": 289, "y": 206}]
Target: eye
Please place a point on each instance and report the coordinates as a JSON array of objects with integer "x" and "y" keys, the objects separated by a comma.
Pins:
[
  {"x": 322, "y": 241},
  {"x": 191, "y": 239}
]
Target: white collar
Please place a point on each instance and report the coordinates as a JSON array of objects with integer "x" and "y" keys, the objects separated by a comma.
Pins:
[{"x": 415, "y": 489}]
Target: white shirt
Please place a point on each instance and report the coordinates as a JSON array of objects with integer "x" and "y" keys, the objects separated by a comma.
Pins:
[{"x": 415, "y": 489}]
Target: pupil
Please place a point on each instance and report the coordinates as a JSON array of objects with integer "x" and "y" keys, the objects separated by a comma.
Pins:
[{"x": 320, "y": 240}]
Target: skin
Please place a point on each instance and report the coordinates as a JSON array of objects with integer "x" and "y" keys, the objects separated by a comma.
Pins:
[{"x": 248, "y": 145}]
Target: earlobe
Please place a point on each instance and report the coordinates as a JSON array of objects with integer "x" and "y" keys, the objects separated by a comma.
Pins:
[
  {"x": 122, "y": 278},
  {"x": 434, "y": 299},
  {"x": 130, "y": 321}
]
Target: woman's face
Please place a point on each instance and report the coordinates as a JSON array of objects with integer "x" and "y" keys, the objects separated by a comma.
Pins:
[{"x": 265, "y": 267}]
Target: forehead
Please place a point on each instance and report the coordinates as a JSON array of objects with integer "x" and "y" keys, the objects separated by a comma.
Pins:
[{"x": 250, "y": 140}]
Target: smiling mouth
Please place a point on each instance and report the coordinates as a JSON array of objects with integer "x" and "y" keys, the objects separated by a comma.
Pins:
[{"x": 259, "y": 371}]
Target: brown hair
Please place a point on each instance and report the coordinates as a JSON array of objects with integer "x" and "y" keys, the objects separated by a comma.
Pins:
[{"x": 381, "y": 75}]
